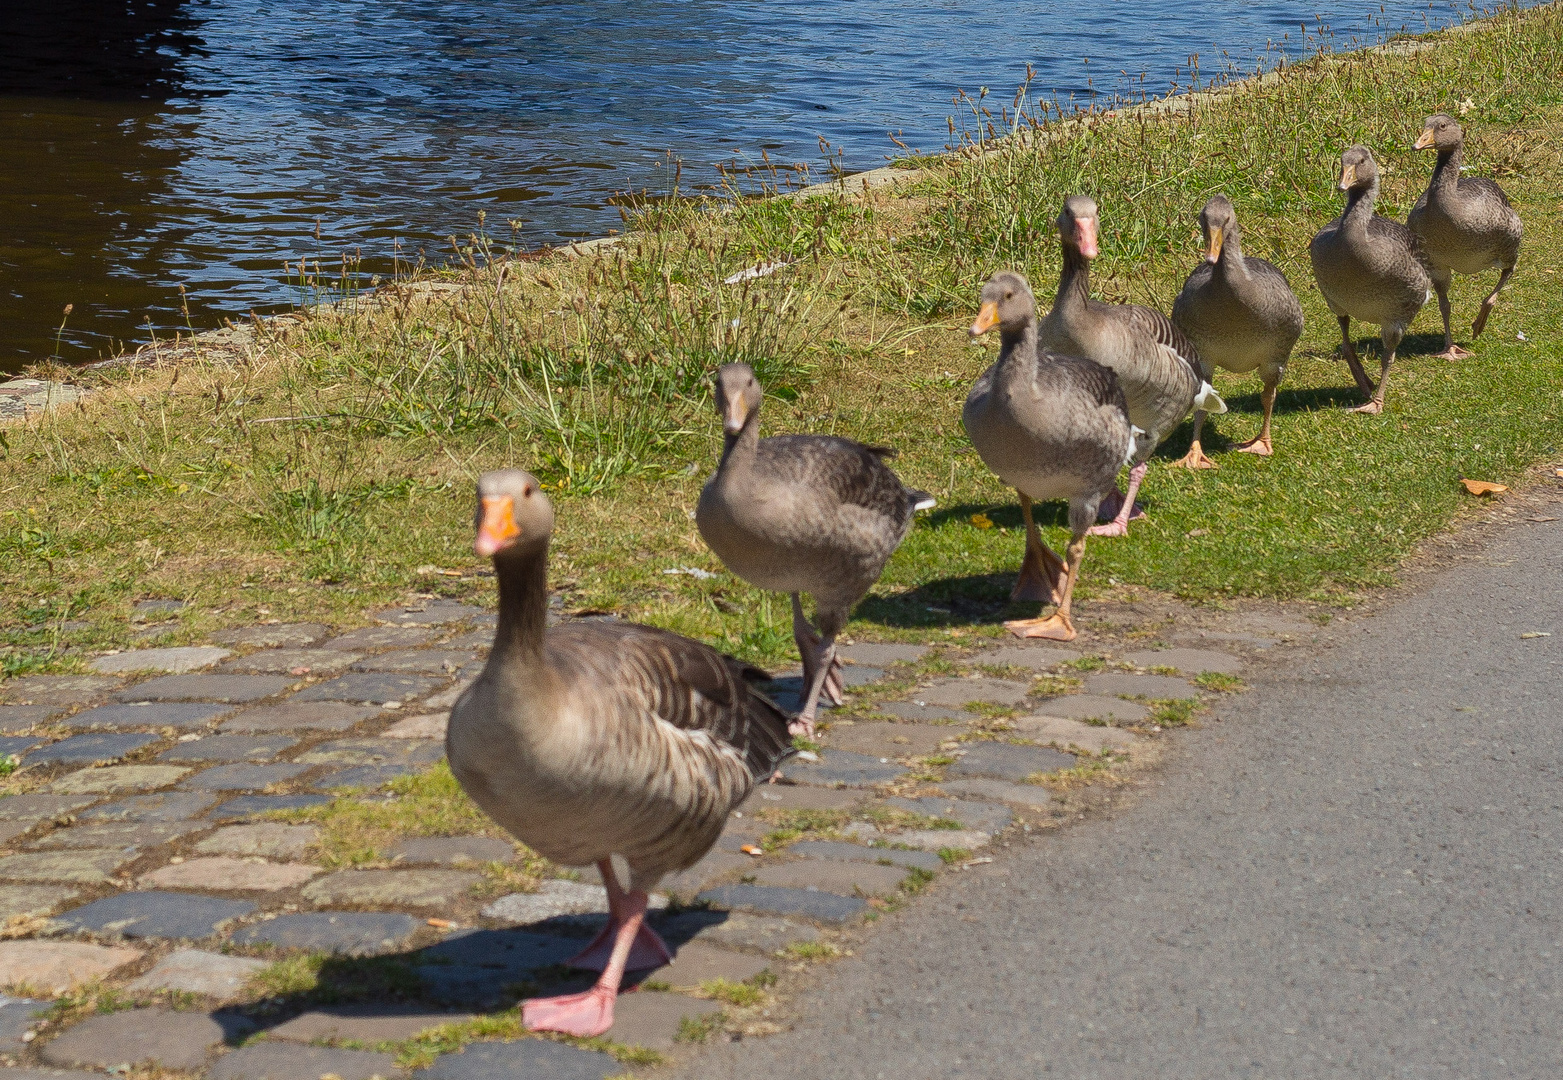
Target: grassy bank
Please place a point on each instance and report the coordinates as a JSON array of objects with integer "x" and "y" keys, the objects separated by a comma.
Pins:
[{"x": 334, "y": 469}]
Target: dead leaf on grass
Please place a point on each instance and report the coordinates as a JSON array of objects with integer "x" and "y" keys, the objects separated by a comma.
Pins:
[{"x": 1483, "y": 487}]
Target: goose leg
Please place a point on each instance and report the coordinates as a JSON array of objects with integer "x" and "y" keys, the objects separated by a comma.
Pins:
[
  {"x": 1488, "y": 304},
  {"x": 1112, "y": 502},
  {"x": 1350, "y": 348},
  {"x": 810, "y": 649},
  {"x": 804, "y": 724},
  {"x": 649, "y": 950},
  {"x": 1260, "y": 444},
  {"x": 1057, "y": 626},
  {"x": 1195, "y": 458},
  {"x": 1451, "y": 350},
  {"x": 1119, "y": 525},
  {"x": 591, "y": 1013},
  {"x": 1041, "y": 571},
  {"x": 1391, "y": 339}
]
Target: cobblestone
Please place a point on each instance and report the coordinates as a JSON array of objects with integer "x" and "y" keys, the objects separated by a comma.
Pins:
[
  {"x": 534, "y": 1059},
  {"x": 428, "y": 726},
  {"x": 1006, "y": 761},
  {"x": 363, "y": 1023},
  {"x": 1150, "y": 686},
  {"x": 230, "y": 748},
  {"x": 1094, "y": 707},
  {"x": 185, "y": 717},
  {"x": 222, "y": 873},
  {"x": 243, "y": 776},
  {"x": 833, "y": 876},
  {"x": 882, "y": 655},
  {"x": 832, "y": 850},
  {"x": 290, "y": 1061},
  {"x": 451, "y": 851},
  {"x": 249, "y": 805},
  {"x": 477, "y": 966},
  {"x": 294, "y": 662},
  {"x": 116, "y": 778},
  {"x": 286, "y": 635},
  {"x": 416, "y": 661},
  {"x": 1029, "y": 795},
  {"x": 653, "y": 1019},
  {"x": 18, "y": 1016},
  {"x": 1032, "y": 657},
  {"x": 798, "y": 797},
  {"x": 16, "y": 718},
  {"x": 433, "y": 613},
  {"x": 989, "y": 817},
  {"x": 940, "y": 839},
  {"x": 231, "y": 689},
  {"x": 410, "y": 888},
  {"x": 92, "y": 749},
  {"x": 164, "y": 806},
  {"x": 58, "y": 689},
  {"x": 269, "y": 838},
  {"x": 1073, "y": 735},
  {"x": 888, "y": 740},
  {"x": 175, "y": 661},
  {"x": 552, "y": 899},
  {"x": 156, "y": 915},
  {"x": 370, "y": 686},
  {"x": 1187, "y": 661},
  {"x": 40, "y": 807},
  {"x": 174, "y": 1040},
  {"x": 343, "y": 933},
  {"x": 813, "y": 904},
  {"x": 954, "y": 692},
  {"x": 28, "y": 901},
  {"x": 911, "y": 710},
  {"x": 380, "y": 637},
  {"x": 57, "y": 966},
  {"x": 195, "y": 972},
  {"x": 734, "y": 929},
  {"x": 301, "y": 716},
  {"x": 121, "y": 836}
]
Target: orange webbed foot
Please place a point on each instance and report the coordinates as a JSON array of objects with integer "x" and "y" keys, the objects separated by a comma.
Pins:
[{"x": 1055, "y": 627}]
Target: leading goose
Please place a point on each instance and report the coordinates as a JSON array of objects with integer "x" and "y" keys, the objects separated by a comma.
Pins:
[
  {"x": 802, "y": 514},
  {"x": 1054, "y": 427},
  {"x": 1241, "y": 313},
  {"x": 1370, "y": 268},
  {"x": 596, "y": 739},
  {"x": 1466, "y": 225},
  {"x": 1155, "y": 364}
]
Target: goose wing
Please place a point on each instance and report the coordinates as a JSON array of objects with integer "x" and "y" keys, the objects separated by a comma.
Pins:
[
  {"x": 675, "y": 680},
  {"x": 847, "y": 472},
  {"x": 1160, "y": 329}
]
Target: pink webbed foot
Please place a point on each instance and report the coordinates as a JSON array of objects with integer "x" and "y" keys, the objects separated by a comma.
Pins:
[
  {"x": 1112, "y": 503},
  {"x": 648, "y": 952},
  {"x": 1454, "y": 352},
  {"x": 1258, "y": 446},
  {"x": 1115, "y": 527},
  {"x": 1372, "y": 408},
  {"x": 585, "y": 1015},
  {"x": 1055, "y": 627}
]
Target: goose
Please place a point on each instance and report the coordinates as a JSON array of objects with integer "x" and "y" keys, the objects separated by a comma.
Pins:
[
  {"x": 1241, "y": 314},
  {"x": 799, "y": 514},
  {"x": 1466, "y": 225},
  {"x": 1052, "y": 427},
  {"x": 1157, "y": 366},
  {"x": 1370, "y": 268},
  {"x": 599, "y": 739}
]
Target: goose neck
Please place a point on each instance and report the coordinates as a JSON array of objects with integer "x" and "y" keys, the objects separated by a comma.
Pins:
[
  {"x": 1446, "y": 173},
  {"x": 1015, "y": 347},
  {"x": 738, "y": 450},
  {"x": 1359, "y": 210},
  {"x": 1231, "y": 264},
  {"x": 523, "y": 603},
  {"x": 1074, "y": 284}
]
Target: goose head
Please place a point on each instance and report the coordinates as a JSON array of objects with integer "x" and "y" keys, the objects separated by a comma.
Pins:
[
  {"x": 1358, "y": 170},
  {"x": 1218, "y": 223},
  {"x": 514, "y": 516},
  {"x": 1077, "y": 224},
  {"x": 1006, "y": 302},
  {"x": 1441, "y": 132},
  {"x": 738, "y": 396}
]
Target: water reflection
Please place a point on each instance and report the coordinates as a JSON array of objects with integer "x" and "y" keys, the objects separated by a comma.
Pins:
[{"x": 155, "y": 143}]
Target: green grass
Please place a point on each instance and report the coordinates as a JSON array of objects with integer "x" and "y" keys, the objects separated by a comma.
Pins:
[{"x": 334, "y": 470}]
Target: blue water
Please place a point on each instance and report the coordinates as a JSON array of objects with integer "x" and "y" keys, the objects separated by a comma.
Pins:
[{"x": 207, "y": 158}]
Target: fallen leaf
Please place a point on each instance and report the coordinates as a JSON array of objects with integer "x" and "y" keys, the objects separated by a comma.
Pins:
[
  {"x": 443, "y": 924},
  {"x": 1535, "y": 634},
  {"x": 1543, "y": 519},
  {"x": 1197, "y": 532},
  {"x": 1483, "y": 487},
  {"x": 752, "y": 849},
  {"x": 982, "y": 521}
]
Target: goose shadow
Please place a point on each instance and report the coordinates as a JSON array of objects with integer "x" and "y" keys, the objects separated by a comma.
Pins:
[{"x": 470, "y": 972}]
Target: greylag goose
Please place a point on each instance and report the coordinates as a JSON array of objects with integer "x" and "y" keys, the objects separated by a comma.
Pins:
[
  {"x": 1051, "y": 426},
  {"x": 1157, "y": 366},
  {"x": 802, "y": 514},
  {"x": 596, "y": 739},
  {"x": 1466, "y": 225},
  {"x": 1370, "y": 268},
  {"x": 1241, "y": 314}
]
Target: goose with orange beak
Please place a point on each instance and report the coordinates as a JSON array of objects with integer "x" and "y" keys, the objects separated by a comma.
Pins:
[
  {"x": 598, "y": 739},
  {"x": 1052, "y": 427},
  {"x": 1157, "y": 366},
  {"x": 1369, "y": 268},
  {"x": 1466, "y": 224}
]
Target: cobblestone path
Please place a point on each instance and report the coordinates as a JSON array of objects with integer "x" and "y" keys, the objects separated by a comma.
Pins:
[{"x": 160, "y": 913}]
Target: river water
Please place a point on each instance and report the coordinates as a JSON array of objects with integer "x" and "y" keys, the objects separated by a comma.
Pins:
[{"x": 150, "y": 145}]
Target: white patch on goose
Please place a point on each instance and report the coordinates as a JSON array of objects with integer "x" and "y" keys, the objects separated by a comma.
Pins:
[
  {"x": 925, "y": 504},
  {"x": 1207, "y": 400},
  {"x": 1134, "y": 434},
  {"x": 691, "y": 738}
]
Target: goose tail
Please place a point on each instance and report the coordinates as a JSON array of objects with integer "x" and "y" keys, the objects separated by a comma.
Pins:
[
  {"x": 1207, "y": 400},
  {"x": 921, "y": 500}
]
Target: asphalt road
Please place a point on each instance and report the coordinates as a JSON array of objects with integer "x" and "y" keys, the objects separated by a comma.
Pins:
[{"x": 1354, "y": 870}]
